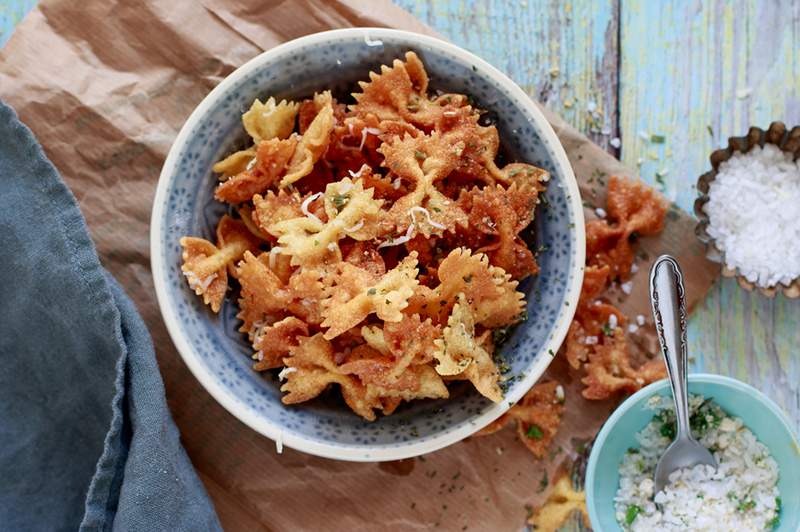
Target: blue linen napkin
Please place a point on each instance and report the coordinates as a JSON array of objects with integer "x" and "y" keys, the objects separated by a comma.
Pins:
[{"x": 86, "y": 439}]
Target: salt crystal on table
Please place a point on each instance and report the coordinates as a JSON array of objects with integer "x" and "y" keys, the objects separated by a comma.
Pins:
[{"x": 754, "y": 215}]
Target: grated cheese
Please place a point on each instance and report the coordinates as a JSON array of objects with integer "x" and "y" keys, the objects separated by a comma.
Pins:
[
  {"x": 286, "y": 371},
  {"x": 754, "y": 215},
  {"x": 396, "y": 184},
  {"x": 364, "y": 132},
  {"x": 196, "y": 283},
  {"x": 427, "y": 214},
  {"x": 272, "y": 252},
  {"x": 402, "y": 240},
  {"x": 356, "y": 227},
  {"x": 306, "y": 203},
  {"x": 370, "y": 42}
]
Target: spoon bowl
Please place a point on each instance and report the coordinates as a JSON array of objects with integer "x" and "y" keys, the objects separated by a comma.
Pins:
[
  {"x": 668, "y": 298},
  {"x": 682, "y": 453}
]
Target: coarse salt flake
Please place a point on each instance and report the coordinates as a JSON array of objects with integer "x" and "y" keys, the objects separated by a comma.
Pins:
[
  {"x": 754, "y": 215},
  {"x": 600, "y": 212},
  {"x": 627, "y": 287}
]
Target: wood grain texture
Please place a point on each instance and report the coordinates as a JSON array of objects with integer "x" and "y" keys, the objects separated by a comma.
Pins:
[
  {"x": 562, "y": 54},
  {"x": 11, "y": 12},
  {"x": 697, "y": 73}
]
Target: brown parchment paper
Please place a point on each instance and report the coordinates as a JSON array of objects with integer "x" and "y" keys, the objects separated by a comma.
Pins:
[{"x": 106, "y": 86}]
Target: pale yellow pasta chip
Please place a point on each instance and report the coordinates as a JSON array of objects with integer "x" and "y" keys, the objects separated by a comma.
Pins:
[
  {"x": 235, "y": 163},
  {"x": 270, "y": 120},
  {"x": 352, "y": 211},
  {"x": 460, "y": 353}
]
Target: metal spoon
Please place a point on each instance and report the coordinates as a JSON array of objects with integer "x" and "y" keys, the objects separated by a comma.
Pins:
[{"x": 669, "y": 310}]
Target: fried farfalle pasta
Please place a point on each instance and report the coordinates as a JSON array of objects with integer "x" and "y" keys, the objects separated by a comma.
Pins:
[
  {"x": 355, "y": 294},
  {"x": 609, "y": 369},
  {"x": 488, "y": 288},
  {"x": 537, "y": 417},
  {"x": 273, "y": 342},
  {"x": 205, "y": 265},
  {"x": 421, "y": 162},
  {"x": 632, "y": 209},
  {"x": 266, "y": 169},
  {"x": 313, "y": 142},
  {"x": 311, "y": 367},
  {"x": 235, "y": 163},
  {"x": 379, "y": 242},
  {"x": 398, "y": 94},
  {"x": 500, "y": 214},
  {"x": 270, "y": 120},
  {"x": 459, "y": 353},
  {"x": 351, "y": 212},
  {"x": 596, "y": 337}
]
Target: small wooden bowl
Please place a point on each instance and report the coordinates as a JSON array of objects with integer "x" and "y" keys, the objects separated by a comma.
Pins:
[{"x": 787, "y": 141}]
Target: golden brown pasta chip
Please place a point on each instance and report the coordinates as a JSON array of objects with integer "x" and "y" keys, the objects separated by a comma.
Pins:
[
  {"x": 273, "y": 342},
  {"x": 270, "y": 162},
  {"x": 205, "y": 265},
  {"x": 459, "y": 353},
  {"x": 352, "y": 297},
  {"x": 537, "y": 417},
  {"x": 313, "y": 143}
]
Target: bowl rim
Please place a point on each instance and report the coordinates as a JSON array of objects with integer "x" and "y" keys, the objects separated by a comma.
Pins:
[
  {"x": 651, "y": 389},
  {"x": 264, "y": 425}
]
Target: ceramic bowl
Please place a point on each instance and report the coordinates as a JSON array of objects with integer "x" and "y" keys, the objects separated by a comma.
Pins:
[
  {"x": 218, "y": 355},
  {"x": 759, "y": 413}
]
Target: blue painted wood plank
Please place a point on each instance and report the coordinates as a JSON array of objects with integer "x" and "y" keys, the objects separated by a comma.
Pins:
[
  {"x": 697, "y": 73},
  {"x": 11, "y": 12}
]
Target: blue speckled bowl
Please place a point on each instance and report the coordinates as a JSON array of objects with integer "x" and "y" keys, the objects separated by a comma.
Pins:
[
  {"x": 218, "y": 355},
  {"x": 738, "y": 399}
]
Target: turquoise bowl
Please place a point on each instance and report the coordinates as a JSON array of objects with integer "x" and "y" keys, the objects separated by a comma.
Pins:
[{"x": 758, "y": 412}]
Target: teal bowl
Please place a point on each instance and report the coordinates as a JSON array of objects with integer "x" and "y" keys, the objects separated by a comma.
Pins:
[{"x": 758, "y": 412}]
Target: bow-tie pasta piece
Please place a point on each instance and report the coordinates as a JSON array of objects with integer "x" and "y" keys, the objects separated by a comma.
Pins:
[
  {"x": 501, "y": 214},
  {"x": 492, "y": 291},
  {"x": 609, "y": 369},
  {"x": 273, "y": 342},
  {"x": 264, "y": 171},
  {"x": 632, "y": 208},
  {"x": 407, "y": 342},
  {"x": 205, "y": 265},
  {"x": 351, "y": 212},
  {"x": 420, "y": 162},
  {"x": 460, "y": 353},
  {"x": 311, "y": 368},
  {"x": 537, "y": 417},
  {"x": 235, "y": 163},
  {"x": 270, "y": 120},
  {"x": 273, "y": 208},
  {"x": 350, "y": 300},
  {"x": 398, "y": 93},
  {"x": 313, "y": 142}
]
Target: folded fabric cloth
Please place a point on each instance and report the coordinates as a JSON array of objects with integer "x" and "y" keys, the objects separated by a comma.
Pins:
[{"x": 86, "y": 439}]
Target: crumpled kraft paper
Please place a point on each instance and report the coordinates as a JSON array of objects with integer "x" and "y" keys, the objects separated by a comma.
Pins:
[{"x": 106, "y": 86}]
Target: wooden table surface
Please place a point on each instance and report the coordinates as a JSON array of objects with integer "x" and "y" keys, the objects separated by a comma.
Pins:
[{"x": 635, "y": 72}]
